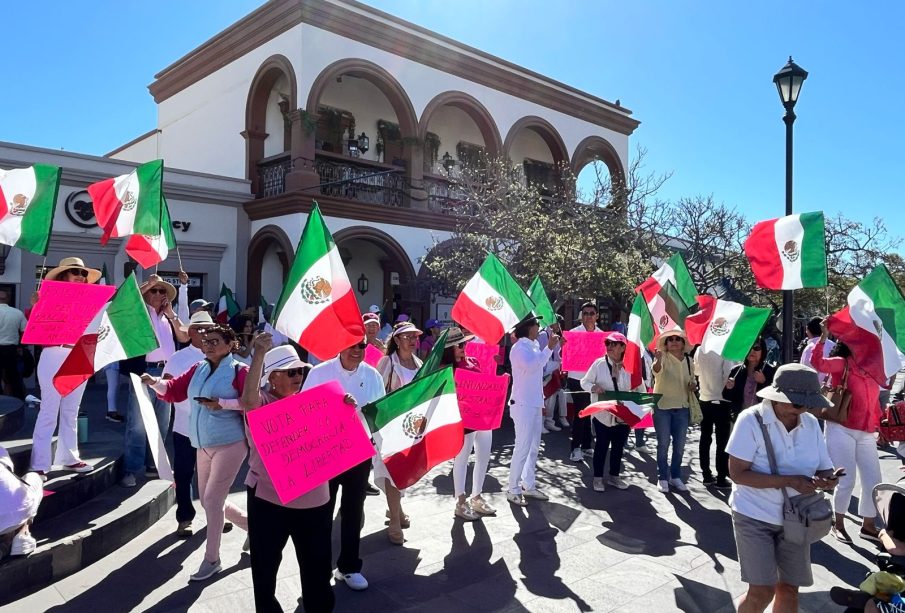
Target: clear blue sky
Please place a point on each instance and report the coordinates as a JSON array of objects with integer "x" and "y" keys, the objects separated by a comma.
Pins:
[{"x": 696, "y": 74}]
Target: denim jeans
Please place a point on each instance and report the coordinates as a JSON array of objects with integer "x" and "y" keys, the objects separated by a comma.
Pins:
[
  {"x": 670, "y": 424},
  {"x": 137, "y": 452}
]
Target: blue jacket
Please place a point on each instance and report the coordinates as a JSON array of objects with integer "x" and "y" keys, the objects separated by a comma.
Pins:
[{"x": 209, "y": 428}]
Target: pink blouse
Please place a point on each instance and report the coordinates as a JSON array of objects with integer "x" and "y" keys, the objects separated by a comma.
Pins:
[{"x": 864, "y": 411}]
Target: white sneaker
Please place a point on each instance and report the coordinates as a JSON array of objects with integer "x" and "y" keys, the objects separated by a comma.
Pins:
[
  {"x": 617, "y": 482},
  {"x": 563, "y": 422},
  {"x": 206, "y": 570},
  {"x": 535, "y": 494},
  {"x": 22, "y": 545},
  {"x": 354, "y": 581},
  {"x": 588, "y": 452},
  {"x": 663, "y": 486},
  {"x": 598, "y": 484},
  {"x": 577, "y": 455},
  {"x": 677, "y": 483},
  {"x": 550, "y": 425}
]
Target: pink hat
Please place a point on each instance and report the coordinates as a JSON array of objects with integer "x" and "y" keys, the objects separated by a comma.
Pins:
[
  {"x": 369, "y": 317},
  {"x": 617, "y": 337}
]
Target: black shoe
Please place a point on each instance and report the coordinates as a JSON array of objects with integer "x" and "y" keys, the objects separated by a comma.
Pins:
[
  {"x": 227, "y": 526},
  {"x": 723, "y": 484},
  {"x": 370, "y": 490},
  {"x": 849, "y": 598},
  {"x": 115, "y": 417},
  {"x": 708, "y": 480}
]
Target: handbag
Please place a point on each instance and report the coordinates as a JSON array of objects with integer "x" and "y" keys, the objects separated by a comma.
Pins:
[
  {"x": 841, "y": 399},
  {"x": 807, "y": 518},
  {"x": 695, "y": 414}
]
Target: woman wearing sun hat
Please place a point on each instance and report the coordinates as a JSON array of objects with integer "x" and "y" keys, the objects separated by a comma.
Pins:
[
  {"x": 673, "y": 379},
  {"x": 55, "y": 408}
]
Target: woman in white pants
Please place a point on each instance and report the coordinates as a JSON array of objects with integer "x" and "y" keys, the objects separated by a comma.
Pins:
[
  {"x": 55, "y": 408},
  {"x": 852, "y": 444},
  {"x": 478, "y": 440},
  {"x": 527, "y": 408}
]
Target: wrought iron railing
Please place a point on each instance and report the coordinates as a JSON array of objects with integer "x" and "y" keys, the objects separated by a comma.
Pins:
[
  {"x": 360, "y": 181},
  {"x": 272, "y": 173},
  {"x": 444, "y": 197}
]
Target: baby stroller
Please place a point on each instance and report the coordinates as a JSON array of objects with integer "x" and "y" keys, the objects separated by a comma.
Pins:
[{"x": 889, "y": 499}]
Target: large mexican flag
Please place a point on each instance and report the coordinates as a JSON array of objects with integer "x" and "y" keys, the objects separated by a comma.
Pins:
[
  {"x": 542, "y": 307},
  {"x": 492, "y": 302},
  {"x": 788, "y": 252},
  {"x": 317, "y": 308},
  {"x": 725, "y": 328},
  {"x": 28, "y": 197},
  {"x": 417, "y": 426},
  {"x": 668, "y": 293},
  {"x": 133, "y": 205},
  {"x": 629, "y": 407},
  {"x": 873, "y": 325},
  {"x": 640, "y": 334},
  {"x": 120, "y": 330}
]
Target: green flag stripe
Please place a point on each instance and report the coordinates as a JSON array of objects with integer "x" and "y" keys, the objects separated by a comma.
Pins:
[
  {"x": 684, "y": 284},
  {"x": 640, "y": 309},
  {"x": 542, "y": 307},
  {"x": 636, "y": 397},
  {"x": 493, "y": 271},
  {"x": 432, "y": 362},
  {"x": 167, "y": 226},
  {"x": 129, "y": 317},
  {"x": 745, "y": 332},
  {"x": 149, "y": 215},
  {"x": 813, "y": 250},
  {"x": 676, "y": 307},
  {"x": 314, "y": 244},
  {"x": 402, "y": 400},
  {"x": 889, "y": 304},
  {"x": 38, "y": 219}
]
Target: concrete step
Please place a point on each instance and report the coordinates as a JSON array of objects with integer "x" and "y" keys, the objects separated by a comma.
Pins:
[
  {"x": 83, "y": 535},
  {"x": 66, "y": 490},
  {"x": 12, "y": 415}
]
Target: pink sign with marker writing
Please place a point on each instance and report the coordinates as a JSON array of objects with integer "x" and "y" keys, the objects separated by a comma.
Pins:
[
  {"x": 485, "y": 355},
  {"x": 63, "y": 311},
  {"x": 481, "y": 397},
  {"x": 308, "y": 438},
  {"x": 581, "y": 349}
]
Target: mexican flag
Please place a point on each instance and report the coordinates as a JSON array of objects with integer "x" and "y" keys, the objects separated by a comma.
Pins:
[
  {"x": 789, "y": 252},
  {"x": 133, "y": 205},
  {"x": 873, "y": 325},
  {"x": 629, "y": 407},
  {"x": 640, "y": 334},
  {"x": 668, "y": 293},
  {"x": 492, "y": 302},
  {"x": 417, "y": 426},
  {"x": 227, "y": 306},
  {"x": 317, "y": 307},
  {"x": 542, "y": 307},
  {"x": 725, "y": 328},
  {"x": 28, "y": 197},
  {"x": 121, "y": 330}
]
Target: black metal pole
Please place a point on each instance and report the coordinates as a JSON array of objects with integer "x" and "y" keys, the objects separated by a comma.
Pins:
[{"x": 788, "y": 336}]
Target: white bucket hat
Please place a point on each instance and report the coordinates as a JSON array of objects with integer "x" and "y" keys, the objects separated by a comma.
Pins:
[{"x": 283, "y": 357}]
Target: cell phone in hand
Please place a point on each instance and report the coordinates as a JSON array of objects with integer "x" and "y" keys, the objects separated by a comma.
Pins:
[
  {"x": 839, "y": 472},
  {"x": 201, "y": 399}
]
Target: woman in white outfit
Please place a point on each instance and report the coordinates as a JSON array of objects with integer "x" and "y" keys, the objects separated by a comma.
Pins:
[
  {"x": 397, "y": 368},
  {"x": 55, "y": 408}
]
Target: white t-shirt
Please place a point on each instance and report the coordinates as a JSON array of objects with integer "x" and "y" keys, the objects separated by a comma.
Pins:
[
  {"x": 713, "y": 372},
  {"x": 178, "y": 364},
  {"x": 799, "y": 452},
  {"x": 12, "y": 325}
]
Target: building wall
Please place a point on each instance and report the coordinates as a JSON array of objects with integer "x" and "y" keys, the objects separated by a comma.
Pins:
[{"x": 274, "y": 122}]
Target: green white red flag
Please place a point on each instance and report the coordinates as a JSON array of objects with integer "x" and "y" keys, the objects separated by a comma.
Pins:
[
  {"x": 669, "y": 292},
  {"x": 133, "y": 205},
  {"x": 788, "y": 252},
  {"x": 640, "y": 334},
  {"x": 492, "y": 302},
  {"x": 227, "y": 307},
  {"x": 629, "y": 407},
  {"x": 121, "y": 330},
  {"x": 542, "y": 307},
  {"x": 873, "y": 325},
  {"x": 28, "y": 197},
  {"x": 726, "y": 328},
  {"x": 417, "y": 427},
  {"x": 317, "y": 307},
  {"x": 434, "y": 360}
]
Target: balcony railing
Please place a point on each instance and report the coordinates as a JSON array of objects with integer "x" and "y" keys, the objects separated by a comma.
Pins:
[
  {"x": 272, "y": 173},
  {"x": 443, "y": 197},
  {"x": 352, "y": 179}
]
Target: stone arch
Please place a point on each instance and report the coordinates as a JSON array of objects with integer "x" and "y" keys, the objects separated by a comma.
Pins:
[
  {"x": 268, "y": 73},
  {"x": 257, "y": 248},
  {"x": 380, "y": 78},
  {"x": 545, "y": 130},
  {"x": 598, "y": 148},
  {"x": 469, "y": 104}
]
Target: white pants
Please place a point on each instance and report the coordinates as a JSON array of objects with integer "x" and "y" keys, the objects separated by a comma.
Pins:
[
  {"x": 481, "y": 441},
  {"x": 559, "y": 398},
  {"x": 54, "y": 408},
  {"x": 851, "y": 450},
  {"x": 528, "y": 423}
]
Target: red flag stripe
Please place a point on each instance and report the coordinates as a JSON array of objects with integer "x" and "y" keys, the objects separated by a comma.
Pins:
[
  {"x": 437, "y": 446},
  {"x": 864, "y": 345},
  {"x": 140, "y": 250},
  {"x": 329, "y": 333},
  {"x": 78, "y": 366},
  {"x": 477, "y": 319},
  {"x": 763, "y": 255}
]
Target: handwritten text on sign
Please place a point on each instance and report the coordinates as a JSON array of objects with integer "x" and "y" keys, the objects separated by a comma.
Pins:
[
  {"x": 581, "y": 349},
  {"x": 484, "y": 354},
  {"x": 63, "y": 311},
  {"x": 481, "y": 398},
  {"x": 308, "y": 438}
]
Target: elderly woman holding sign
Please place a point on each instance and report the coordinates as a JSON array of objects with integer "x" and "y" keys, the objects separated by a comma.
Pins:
[
  {"x": 217, "y": 431},
  {"x": 307, "y": 519}
]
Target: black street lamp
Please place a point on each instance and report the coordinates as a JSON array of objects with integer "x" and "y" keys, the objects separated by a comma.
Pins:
[
  {"x": 362, "y": 284},
  {"x": 788, "y": 83},
  {"x": 448, "y": 162}
]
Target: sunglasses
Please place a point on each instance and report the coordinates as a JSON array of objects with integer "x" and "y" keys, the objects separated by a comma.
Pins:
[
  {"x": 77, "y": 272},
  {"x": 292, "y": 372},
  {"x": 672, "y": 339},
  {"x": 613, "y": 343},
  {"x": 588, "y": 313},
  {"x": 210, "y": 342},
  {"x": 156, "y": 290},
  {"x": 408, "y": 337},
  {"x": 359, "y": 346},
  {"x": 799, "y": 407}
]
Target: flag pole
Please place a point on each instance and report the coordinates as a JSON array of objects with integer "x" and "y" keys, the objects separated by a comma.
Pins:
[{"x": 179, "y": 257}]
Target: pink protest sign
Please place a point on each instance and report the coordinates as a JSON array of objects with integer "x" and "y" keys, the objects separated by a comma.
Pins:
[
  {"x": 484, "y": 354},
  {"x": 581, "y": 349},
  {"x": 372, "y": 355},
  {"x": 481, "y": 397},
  {"x": 63, "y": 311},
  {"x": 308, "y": 438}
]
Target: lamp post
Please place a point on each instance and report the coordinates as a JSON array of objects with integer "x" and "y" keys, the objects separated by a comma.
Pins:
[{"x": 788, "y": 83}]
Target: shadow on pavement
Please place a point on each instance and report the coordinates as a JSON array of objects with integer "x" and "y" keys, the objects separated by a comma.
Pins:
[{"x": 696, "y": 597}]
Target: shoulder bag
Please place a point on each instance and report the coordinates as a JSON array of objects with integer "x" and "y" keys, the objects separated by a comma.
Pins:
[
  {"x": 807, "y": 518},
  {"x": 841, "y": 399},
  {"x": 695, "y": 414}
]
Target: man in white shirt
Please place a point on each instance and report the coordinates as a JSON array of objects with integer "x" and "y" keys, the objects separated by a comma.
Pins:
[
  {"x": 526, "y": 407},
  {"x": 12, "y": 325},
  {"x": 159, "y": 297},
  {"x": 183, "y": 453},
  {"x": 812, "y": 330},
  {"x": 581, "y": 426},
  {"x": 365, "y": 384},
  {"x": 554, "y": 396},
  {"x": 713, "y": 372}
]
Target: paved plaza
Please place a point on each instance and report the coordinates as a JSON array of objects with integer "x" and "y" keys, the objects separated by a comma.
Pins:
[{"x": 632, "y": 550}]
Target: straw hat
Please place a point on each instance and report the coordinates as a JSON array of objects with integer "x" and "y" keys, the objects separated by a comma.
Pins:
[
  {"x": 283, "y": 357},
  {"x": 154, "y": 281},
  {"x": 201, "y": 318},
  {"x": 455, "y": 336},
  {"x": 661, "y": 340},
  {"x": 796, "y": 384},
  {"x": 405, "y": 328},
  {"x": 66, "y": 264}
]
